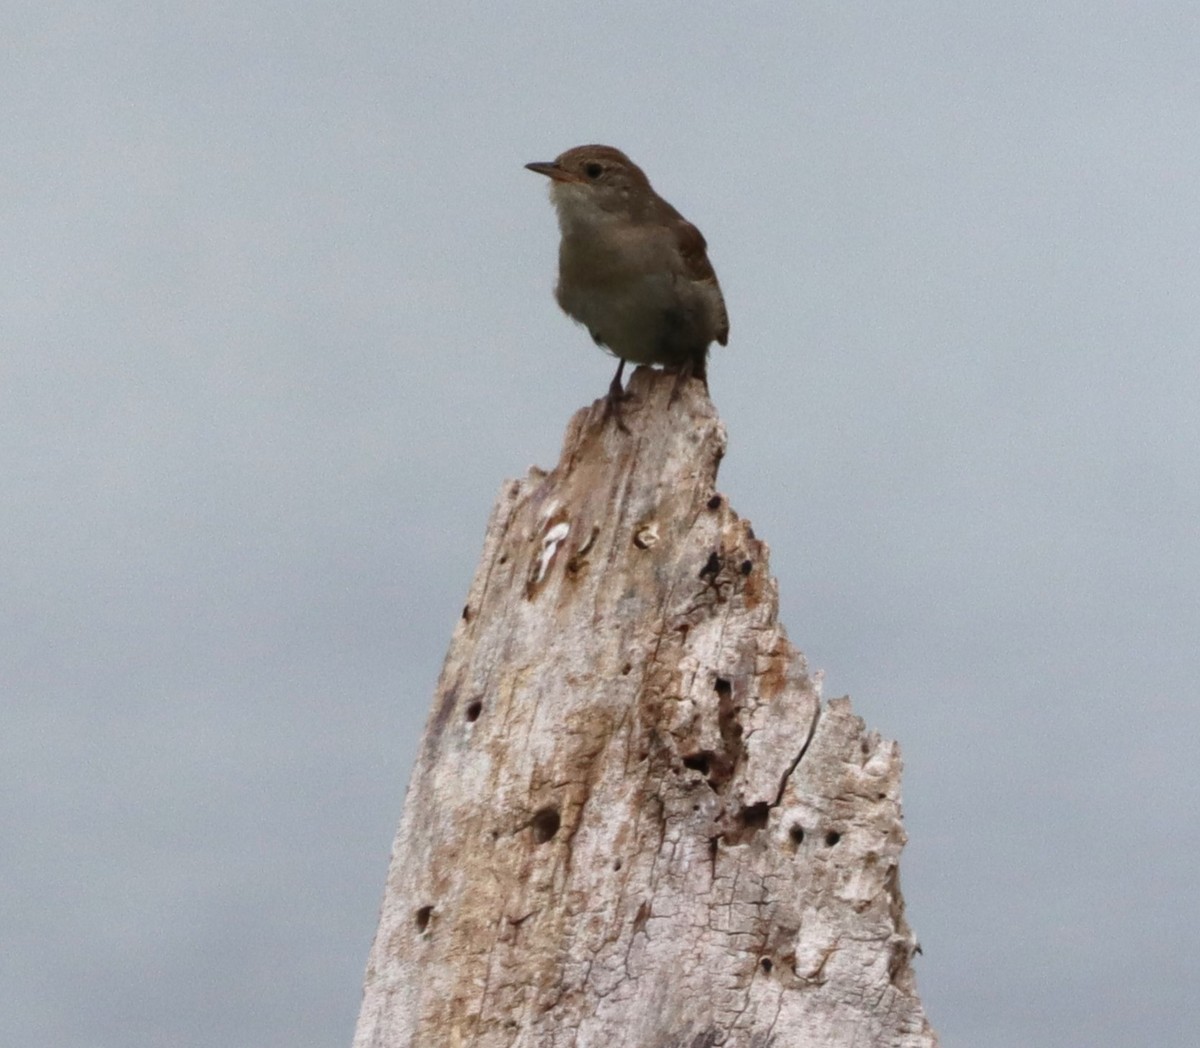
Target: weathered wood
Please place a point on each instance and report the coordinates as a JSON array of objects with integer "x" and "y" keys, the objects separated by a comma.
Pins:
[{"x": 632, "y": 821}]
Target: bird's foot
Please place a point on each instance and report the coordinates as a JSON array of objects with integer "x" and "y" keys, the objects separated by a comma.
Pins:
[
  {"x": 689, "y": 370},
  {"x": 613, "y": 409},
  {"x": 615, "y": 397}
]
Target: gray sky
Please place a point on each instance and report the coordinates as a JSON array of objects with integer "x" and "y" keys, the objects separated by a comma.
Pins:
[{"x": 276, "y": 323}]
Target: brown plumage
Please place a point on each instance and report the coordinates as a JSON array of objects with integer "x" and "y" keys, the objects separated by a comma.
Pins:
[{"x": 632, "y": 269}]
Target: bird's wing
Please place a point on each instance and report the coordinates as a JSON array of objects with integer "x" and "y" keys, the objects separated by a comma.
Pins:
[{"x": 694, "y": 249}]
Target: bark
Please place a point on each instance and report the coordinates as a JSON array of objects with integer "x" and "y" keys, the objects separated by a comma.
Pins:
[{"x": 633, "y": 821}]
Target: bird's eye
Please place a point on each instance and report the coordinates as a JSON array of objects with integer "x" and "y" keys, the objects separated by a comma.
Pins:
[{"x": 593, "y": 170}]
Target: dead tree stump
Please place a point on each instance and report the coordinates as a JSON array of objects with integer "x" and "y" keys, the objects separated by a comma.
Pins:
[{"x": 633, "y": 823}]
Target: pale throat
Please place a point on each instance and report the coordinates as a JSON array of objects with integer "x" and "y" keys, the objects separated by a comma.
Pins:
[{"x": 579, "y": 210}]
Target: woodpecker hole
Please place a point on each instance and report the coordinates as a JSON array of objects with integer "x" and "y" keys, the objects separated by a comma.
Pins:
[
  {"x": 422, "y": 917},
  {"x": 754, "y": 816},
  {"x": 545, "y": 824}
]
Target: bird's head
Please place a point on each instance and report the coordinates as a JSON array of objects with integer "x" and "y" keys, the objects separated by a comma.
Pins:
[{"x": 591, "y": 183}]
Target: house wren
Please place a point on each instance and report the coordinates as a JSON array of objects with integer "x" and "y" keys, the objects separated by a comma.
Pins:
[{"x": 632, "y": 269}]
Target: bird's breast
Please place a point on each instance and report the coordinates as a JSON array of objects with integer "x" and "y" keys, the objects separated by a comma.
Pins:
[{"x": 639, "y": 307}]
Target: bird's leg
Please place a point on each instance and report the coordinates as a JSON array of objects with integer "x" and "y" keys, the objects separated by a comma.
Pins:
[
  {"x": 616, "y": 394},
  {"x": 693, "y": 367},
  {"x": 615, "y": 390}
]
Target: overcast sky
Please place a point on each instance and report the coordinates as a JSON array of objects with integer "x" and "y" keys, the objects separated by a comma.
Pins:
[{"x": 276, "y": 322}]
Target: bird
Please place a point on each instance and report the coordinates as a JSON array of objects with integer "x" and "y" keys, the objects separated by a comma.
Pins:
[{"x": 632, "y": 269}]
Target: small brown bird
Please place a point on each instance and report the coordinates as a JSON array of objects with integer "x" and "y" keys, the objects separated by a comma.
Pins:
[{"x": 632, "y": 269}]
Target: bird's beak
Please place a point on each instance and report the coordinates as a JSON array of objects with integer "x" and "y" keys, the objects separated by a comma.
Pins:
[{"x": 551, "y": 170}]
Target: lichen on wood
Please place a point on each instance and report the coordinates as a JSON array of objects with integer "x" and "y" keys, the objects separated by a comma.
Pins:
[{"x": 633, "y": 821}]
